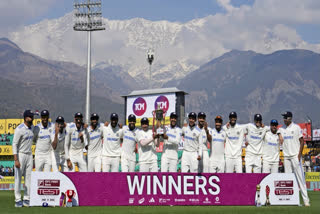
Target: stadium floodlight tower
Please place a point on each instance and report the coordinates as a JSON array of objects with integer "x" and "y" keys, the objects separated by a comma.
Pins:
[
  {"x": 88, "y": 17},
  {"x": 150, "y": 58}
]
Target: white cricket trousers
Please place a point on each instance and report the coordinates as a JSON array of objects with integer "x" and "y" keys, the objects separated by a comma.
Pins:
[
  {"x": 26, "y": 165},
  {"x": 148, "y": 167},
  {"x": 94, "y": 163},
  {"x": 294, "y": 165},
  {"x": 127, "y": 165},
  {"x": 217, "y": 166},
  {"x": 168, "y": 164},
  {"x": 189, "y": 162},
  {"x": 204, "y": 163},
  {"x": 58, "y": 161},
  {"x": 253, "y": 163},
  {"x": 43, "y": 162},
  {"x": 234, "y": 164},
  {"x": 79, "y": 161},
  {"x": 270, "y": 167},
  {"x": 110, "y": 163}
]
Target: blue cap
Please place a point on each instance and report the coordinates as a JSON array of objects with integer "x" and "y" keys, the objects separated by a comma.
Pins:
[
  {"x": 173, "y": 115},
  {"x": 28, "y": 113},
  {"x": 94, "y": 116},
  {"x": 114, "y": 116},
  {"x": 44, "y": 113},
  {"x": 132, "y": 118},
  {"x": 233, "y": 114},
  {"x": 60, "y": 119},
  {"x": 202, "y": 115},
  {"x": 287, "y": 114},
  {"x": 78, "y": 114},
  {"x": 192, "y": 115},
  {"x": 144, "y": 120},
  {"x": 274, "y": 122}
]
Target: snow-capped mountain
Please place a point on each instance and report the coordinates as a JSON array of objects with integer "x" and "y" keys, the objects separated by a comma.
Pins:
[{"x": 180, "y": 48}]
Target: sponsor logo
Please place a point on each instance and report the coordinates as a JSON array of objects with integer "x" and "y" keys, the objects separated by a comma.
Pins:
[
  {"x": 139, "y": 106},
  {"x": 152, "y": 200},
  {"x": 179, "y": 200},
  {"x": 194, "y": 200},
  {"x": 141, "y": 200},
  {"x": 283, "y": 183},
  {"x": 131, "y": 200},
  {"x": 283, "y": 191},
  {"x": 48, "y": 191},
  {"x": 48, "y": 183},
  {"x": 164, "y": 200},
  {"x": 162, "y": 102},
  {"x": 207, "y": 201}
]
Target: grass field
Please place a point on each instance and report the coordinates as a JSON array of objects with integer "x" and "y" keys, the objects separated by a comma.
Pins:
[{"x": 7, "y": 207}]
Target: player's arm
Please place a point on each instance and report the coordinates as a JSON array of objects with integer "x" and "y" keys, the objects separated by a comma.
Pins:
[
  {"x": 300, "y": 135},
  {"x": 15, "y": 143},
  {"x": 199, "y": 140},
  {"x": 206, "y": 129},
  {"x": 145, "y": 142},
  {"x": 66, "y": 148},
  {"x": 54, "y": 137}
]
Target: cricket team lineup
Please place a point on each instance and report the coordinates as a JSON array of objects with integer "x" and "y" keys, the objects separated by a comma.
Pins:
[{"x": 60, "y": 146}]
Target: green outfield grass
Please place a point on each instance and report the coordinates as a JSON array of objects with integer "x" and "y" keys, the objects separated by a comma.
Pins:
[{"x": 7, "y": 206}]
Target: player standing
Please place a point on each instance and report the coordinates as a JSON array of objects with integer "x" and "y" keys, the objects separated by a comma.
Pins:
[
  {"x": 203, "y": 126},
  {"x": 76, "y": 140},
  {"x": 22, "y": 154},
  {"x": 172, "y": 137},
  {"x": 191, "y": 149},
  {"x": 234, "y": 141},
  {"x": 42, "y": 138},
  {"x": 111, "y": 151},
  {"x": 58, "y": 140},
  {"x": 292, "y": 151}
]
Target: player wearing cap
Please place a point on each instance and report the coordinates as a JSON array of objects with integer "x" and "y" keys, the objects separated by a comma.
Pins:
[
  {"x": 76, "y": 140},
  {"x": 128, "y": 156},
  {"x": 217, "y": 139},
  {"x": 172, "y": 137},
  {"x": 234, "y": 141},
  {"x": 22, "y": 154},
  {"x": 95, "y": 131},
  {"x": 42, "y": 138},
  {"x": 255, "y": 135},
  {"x": 147, "y": 143},
  {"x": 111, "y": 151},
  {"x": 58, "y": 140},
  {"x": 292, "y": 151},
  {"x": 271, "y": 149},
  {"x": 191, "y": 149},
  {"x": 203, "y": 126}
]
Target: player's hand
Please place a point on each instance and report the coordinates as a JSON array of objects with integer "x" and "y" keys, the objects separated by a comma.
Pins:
[
  {"x": 262, "y": 125},
  {"x": 85, "y": 125},
  {"x": 228, "y": 125},
  {"x": 81, "y": 136},
  {"x": 199, "y": 158},
  {"x": 64, "y": 125},
  {"x": 299, "y": 157},
  {"x": 205, "y": 126},
  {"x": 17, "y": 164},
  {"x": 246, "y": 143},
  {"x": 155, "y": 135},
  {"x": 280, "y": 139},
  {"x": 120, "y": 125},
  {"x": 106, "y": 123},
  {"x": 165, "y": 136},
  {"x": 69, "y": 163},
  {"x": 56, "y": 128}
]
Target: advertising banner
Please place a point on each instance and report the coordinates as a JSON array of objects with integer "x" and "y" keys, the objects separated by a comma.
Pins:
[
  {"x": 313, "y": 181},
  {"x": 306, "y": 130},
  {"x": 148, "y": 189},
  {"x": 7, "y": 150},
  {"x": 12, "y": 124},
  {"x": 316, "y": 134},
  {"x": 2, "y": 126},
  {"x": 7, "y": 183}
]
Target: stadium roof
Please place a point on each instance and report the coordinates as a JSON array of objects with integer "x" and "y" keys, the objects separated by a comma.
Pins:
[{"x": 154, "y": 91}]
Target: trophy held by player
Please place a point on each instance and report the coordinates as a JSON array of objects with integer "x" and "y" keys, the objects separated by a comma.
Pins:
[
  {"x": 159, "y": 118},
  {"x": 70, "y": 194}
]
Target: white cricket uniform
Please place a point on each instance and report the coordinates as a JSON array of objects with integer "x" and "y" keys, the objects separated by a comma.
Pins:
[
  {"x": 169, "y": 158},
  {"x": 191, "y": 149},
  {"x": 270, "y": 153},
  {"x": 255, "y": 136},
  {"x": 95, "y": 148},
  {"x": 74, "y": 147},
  {"x": 147, "y": 153},
  {"x": 58, "y": 154},
  {"x": 21, "y": 146},
  {"x": 128, "y": 156},
  {"x": 43, "y": 153},
  {"x": 204, "y": 163},
  {"x": 111, "y": 148},
  {"x": 217, "y": 159},
  {"x": 233, "y": 148},
  {"x": 291, "y": 146}
]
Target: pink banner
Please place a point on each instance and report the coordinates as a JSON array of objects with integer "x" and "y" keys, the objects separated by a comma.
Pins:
[{"x": 121, "y": 189}]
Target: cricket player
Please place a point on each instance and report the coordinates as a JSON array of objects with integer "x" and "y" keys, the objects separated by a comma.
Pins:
[
  {"x": 234, "y": 141},
  {"x": 292, "y": 151},
  {"x": 203, "y": 126},
  {"x": 172, "y": 138},
  {"x": 191, "y": 149},
  {"x": 42, "y": 138},
  {"x": 22, "y": 154},
  {"x": 147, "y": 143},
  {"x": 76, "y": 140},
  {"x": 217, "y": 139},
  {"x": 271, "y": 149},
  {"x": 95, "y": 131},
  {"x": 111, "y": 150},
  {"x": 255, "y": 135},
  {"x": 128, "y": 152},
  {"x": 58, "y": 141}
]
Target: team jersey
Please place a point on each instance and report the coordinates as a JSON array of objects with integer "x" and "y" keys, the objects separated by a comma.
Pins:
[
  {"x": 291, "y": 136},
  {"x": 270, "y": 147},
  {"x": 234, "y": 141},
  {"x": 61, "y": 141},
  {"x": 22, "y": 139},
  {"x": 192, "y": 139},
  {"x": 217, "y": 144},
  {"x": 111, "y": 141},
  {"x": 129, "y": 143},
  {"x": 73, "y": 145},
  {"x": 95, "y": 140},
  {"x": 203, "y": 139},
  {"x": 170, "y": 147},
  {"x": 255, "y": 136},
  {"x": 147, "y": 153},
  {"x": 42, "y": 138}
]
